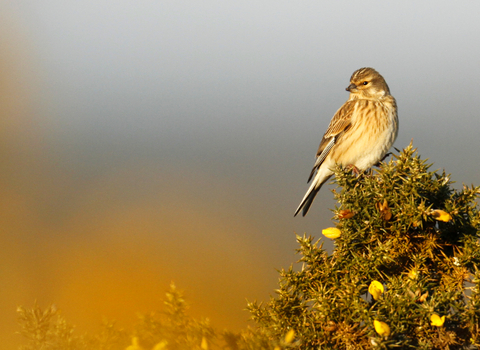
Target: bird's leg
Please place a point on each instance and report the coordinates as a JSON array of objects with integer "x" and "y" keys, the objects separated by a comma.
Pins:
[
  {"x": 381, "y": 160},
  {"x": 353, "y": 168}
]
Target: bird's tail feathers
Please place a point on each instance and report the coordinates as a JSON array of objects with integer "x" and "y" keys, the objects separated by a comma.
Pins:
[
  {"x": 323, "y": 174},
  {"x": 307, "y": 199}
]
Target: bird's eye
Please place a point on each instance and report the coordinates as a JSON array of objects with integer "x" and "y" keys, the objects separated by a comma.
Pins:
[{"x": 365, "y": 82}]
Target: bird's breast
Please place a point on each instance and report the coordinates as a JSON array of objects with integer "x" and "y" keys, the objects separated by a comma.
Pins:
[{"x": 374, "y": 127}]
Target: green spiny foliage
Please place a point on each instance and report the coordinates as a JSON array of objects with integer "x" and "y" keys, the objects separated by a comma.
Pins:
[
  {"x": 405, "y": 227},
  {"x": 48, "y": 330},
  {"x": 173, "y": 326}
]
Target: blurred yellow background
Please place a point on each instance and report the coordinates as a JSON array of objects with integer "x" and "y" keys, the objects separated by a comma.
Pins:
[{"x": 108, "y": 245}]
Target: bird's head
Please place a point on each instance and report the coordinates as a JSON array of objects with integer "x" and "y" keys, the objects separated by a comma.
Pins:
[{"x": 367, "y": 83}]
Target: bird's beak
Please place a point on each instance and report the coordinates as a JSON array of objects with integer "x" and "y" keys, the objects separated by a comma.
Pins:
[{"x": 352, "y": 88}]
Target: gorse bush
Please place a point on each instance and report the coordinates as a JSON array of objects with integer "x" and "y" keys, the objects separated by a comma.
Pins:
[{"x": 403, "y": 274}]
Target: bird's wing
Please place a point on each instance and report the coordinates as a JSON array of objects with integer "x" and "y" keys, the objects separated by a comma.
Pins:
[{"x": 340, "y": 123}]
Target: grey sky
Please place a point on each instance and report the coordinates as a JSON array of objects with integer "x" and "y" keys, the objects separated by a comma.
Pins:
[
  {"x": 234, "y": 75},
  {"x": 215, "y": 83}
]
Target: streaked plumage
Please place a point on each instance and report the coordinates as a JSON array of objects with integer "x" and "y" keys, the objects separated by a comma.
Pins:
[{"x": 360, "y": 133}]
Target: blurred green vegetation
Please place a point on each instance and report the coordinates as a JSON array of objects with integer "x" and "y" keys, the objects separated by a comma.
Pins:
[
  {"x": 171, "y": 328},
  {"x": 403, "y": 274}
]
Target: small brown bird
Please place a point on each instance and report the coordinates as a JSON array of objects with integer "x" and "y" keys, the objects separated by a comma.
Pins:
[{"x": 360, "y": 133}]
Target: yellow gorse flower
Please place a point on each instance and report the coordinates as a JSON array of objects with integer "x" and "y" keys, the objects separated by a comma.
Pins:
[
  {"x": 331, "y": 232},
  {"x": 376, "y": 289},
  {"x": 204, "y": 344},
  {"x": 441, "y": 215},
  {"x": 413, "y": 274},
  {"x": 161, "y": 346},
  {"x": 381, "y": 328},
  {"x": 289, "y": 336},
  {"x": 437, "y": 321},
  {"x": 135, "y": 345}
]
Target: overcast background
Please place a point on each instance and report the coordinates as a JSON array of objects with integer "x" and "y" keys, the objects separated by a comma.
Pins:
[{"x": 144, "y": 142}]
